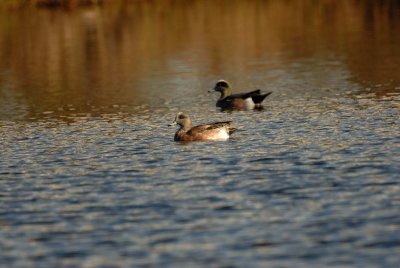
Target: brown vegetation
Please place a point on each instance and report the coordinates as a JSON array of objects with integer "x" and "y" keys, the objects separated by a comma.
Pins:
[
  {"x": 117, "y": 44},
  {"x": 64, "y": 4}
]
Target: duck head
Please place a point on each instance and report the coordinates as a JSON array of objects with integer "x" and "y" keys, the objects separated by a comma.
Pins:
[
  {"x": 223, "y": 87},
  {"x": 182, "y": 120}
]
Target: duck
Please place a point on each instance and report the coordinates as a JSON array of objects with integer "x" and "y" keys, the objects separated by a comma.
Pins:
[
  {"x": 219, "y": 131},
  {"x": 240, "y": 101}
]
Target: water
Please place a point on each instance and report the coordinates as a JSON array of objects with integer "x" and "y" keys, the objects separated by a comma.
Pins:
[{"x": 90, "y": 174}]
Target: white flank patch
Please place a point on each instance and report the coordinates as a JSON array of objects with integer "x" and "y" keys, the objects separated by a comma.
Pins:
[
  {"x": 249, "y": 104},
  {"x": 221, "y": 135}
]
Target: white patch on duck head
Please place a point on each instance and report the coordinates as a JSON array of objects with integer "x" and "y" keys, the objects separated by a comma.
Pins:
[{"x": 221, "y": 84}]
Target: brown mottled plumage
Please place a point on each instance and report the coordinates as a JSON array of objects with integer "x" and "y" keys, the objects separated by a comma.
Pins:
[{"x": 210, "y": 132}]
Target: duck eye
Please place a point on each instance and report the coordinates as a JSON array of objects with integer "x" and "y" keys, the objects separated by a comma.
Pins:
[{"x": 181, "y": 116}]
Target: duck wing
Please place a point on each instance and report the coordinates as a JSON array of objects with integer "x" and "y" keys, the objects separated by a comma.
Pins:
[
  {"x": 258, "y": 98},
  {"x": 208, "y": 127},
  {"x": 245, "y": 95}
]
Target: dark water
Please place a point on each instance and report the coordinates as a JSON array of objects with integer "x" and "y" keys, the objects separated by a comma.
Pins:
[{"x": 90, "y": 175}]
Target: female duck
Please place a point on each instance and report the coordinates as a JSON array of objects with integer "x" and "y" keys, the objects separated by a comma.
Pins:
[{"x": 219, "y": 131}]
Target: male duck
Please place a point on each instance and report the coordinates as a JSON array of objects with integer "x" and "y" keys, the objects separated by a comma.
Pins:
[
  {"x": 240, "y": 101},
  {"x": 219, "y": 131}
]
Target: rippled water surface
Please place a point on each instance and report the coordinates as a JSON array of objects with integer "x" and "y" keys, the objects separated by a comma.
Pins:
[{"x": 90, "y": 175}]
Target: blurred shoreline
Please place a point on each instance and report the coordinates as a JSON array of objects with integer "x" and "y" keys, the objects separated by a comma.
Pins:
[
  {"x": 113, "y": 51},
  {"x": 62, "y": 4}
]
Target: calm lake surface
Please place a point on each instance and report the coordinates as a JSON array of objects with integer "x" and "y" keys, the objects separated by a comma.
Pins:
[{"x": 90, "y": 175}]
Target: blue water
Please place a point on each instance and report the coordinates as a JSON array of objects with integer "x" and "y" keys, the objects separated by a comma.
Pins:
[{"x": 305, "y": 182}]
